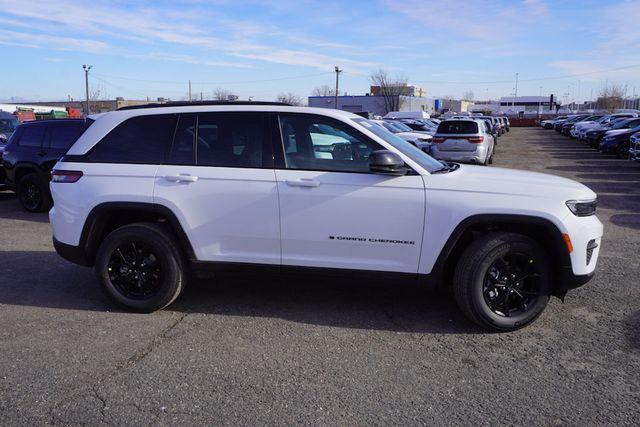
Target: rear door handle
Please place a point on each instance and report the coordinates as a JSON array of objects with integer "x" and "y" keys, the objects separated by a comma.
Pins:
[
  {"x": 183, "y": 177},
  {"x": 302, "y": 182}
]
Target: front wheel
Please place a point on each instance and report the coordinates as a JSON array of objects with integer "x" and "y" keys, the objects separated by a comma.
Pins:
[
  {"x": 141, "y": 267},
  {"x": 502, "y": 281}
]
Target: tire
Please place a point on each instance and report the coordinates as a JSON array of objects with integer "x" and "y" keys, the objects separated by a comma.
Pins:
[
  {"x": 474, "y": 281},
  {"x": 490, "y": 159},
  {"x": 121, "y": 256},
  {"x": 33, "y": 194}
]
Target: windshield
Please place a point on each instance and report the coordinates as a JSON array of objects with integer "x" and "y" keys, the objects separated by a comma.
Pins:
[
  {"x": 403, "y": 127},
  {"x": 420, "y": 157},
  {"x": 8, "y": 125}
]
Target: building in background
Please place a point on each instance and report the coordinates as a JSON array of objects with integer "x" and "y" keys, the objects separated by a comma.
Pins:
[
  {"x": 372, "y": 105},
  {"x": 98, "y": 106},
  {"x": 445, "y": 105}
]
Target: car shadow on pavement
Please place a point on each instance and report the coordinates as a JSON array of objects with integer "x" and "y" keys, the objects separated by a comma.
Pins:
[
  {"x": 633, "y": 330},
  {"x": 10, "y": 208},
  {"x": 43, "y": 279}
]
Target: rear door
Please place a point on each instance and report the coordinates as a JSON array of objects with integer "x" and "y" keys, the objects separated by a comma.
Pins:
[
  {"x": 218, "y": 179},
  {"x": 59, "y": 138},
  {"x": 335, "y": 213}
]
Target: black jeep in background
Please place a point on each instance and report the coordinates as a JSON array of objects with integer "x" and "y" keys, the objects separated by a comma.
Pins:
[{"x": 30, "y": 154}]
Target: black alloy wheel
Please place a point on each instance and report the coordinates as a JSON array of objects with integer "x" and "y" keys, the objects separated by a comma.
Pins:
[
  {"x": 512, "y": 285},
  {"x": 135, "y": 270}
]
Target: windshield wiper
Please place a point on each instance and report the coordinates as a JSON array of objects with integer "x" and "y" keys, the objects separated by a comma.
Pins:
[{"x": 447, "y": 167}]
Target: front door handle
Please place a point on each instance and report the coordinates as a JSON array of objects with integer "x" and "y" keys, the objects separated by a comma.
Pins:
[
  {"x": 183, "y": 177},
  {"x": 303, "y": 182}
]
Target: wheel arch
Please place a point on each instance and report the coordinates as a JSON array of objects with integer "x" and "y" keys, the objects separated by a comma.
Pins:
[
  {"x": 108, "y": 216},
  {"x": 542, "y": 230}
]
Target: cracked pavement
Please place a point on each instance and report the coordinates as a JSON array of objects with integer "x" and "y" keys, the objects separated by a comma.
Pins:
[{"x": 241, "y": 351}]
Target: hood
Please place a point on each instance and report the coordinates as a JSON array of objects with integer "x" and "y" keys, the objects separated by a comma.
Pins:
[
  {"x": 583, "y": 125},
  {"x": 514, "y": 182},
  {"x": 412, "y": 136}
]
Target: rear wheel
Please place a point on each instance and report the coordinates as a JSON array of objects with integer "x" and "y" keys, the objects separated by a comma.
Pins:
[
  {"x": 502, "y": 281},
  {"x": 141, "y": 267},
  {"x": 33, "y": 194}
]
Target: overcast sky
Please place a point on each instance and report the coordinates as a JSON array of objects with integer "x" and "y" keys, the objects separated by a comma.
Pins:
[{"x": 261, "y": 48}]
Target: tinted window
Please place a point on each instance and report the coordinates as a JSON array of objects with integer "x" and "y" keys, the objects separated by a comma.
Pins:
[
  {"x": 142, "y": 139},
  {"x": 319, "y": 143},
  {"x": 233, "y": 140},
  {"x": 182, "y": 148},
  {"x": 455, "y": 126},
  {"x": 62, "y": 136},
  {"x": 32, "y": 136}
]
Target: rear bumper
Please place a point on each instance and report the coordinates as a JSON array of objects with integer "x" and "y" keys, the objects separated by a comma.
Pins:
[{"x": 71, "y": 253}]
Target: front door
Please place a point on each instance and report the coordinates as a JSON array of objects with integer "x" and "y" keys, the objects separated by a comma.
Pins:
[{"x": 334, "y": 212}]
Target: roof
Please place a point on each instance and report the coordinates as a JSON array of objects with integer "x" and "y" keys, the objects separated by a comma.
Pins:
[{"x": 196, "y": 103}]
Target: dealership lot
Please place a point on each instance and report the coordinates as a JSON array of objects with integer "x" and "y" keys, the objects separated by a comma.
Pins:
[{"x": 285, "y": 352}]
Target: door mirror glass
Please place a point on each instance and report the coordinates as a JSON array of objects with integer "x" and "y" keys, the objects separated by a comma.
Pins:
[{"x": 387, "y": 162}]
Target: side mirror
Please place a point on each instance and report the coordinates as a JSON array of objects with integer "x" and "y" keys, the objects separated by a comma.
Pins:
[{"x": 387, "y": 162}]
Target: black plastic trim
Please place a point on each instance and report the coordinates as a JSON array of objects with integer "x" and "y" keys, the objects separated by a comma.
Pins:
[
  {"x": 562, "y": 257},
  {"x": 74, "y": 254},
  {"x": 199, "y": 104},
  {"x": 93, "y": 226}
]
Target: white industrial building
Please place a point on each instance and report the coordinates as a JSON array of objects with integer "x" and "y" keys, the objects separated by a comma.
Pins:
[{"x": 374, "y": 105}]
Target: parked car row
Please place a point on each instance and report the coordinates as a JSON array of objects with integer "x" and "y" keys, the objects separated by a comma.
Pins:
[{"x": 617, "y": 134}]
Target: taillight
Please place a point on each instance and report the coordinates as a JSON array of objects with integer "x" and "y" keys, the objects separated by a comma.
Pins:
[
  {"x": 65, "y": 176},
  {"x": 438, "y": 140},
  {"x": 475, "y": 139}
]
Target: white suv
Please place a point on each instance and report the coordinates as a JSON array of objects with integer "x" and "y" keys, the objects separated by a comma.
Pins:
[{"x": 147, "y": 195}]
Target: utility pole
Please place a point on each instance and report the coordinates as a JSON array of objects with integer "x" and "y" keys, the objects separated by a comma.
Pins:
[
  {"x": 201, "y": 96},
  {"x": 189, "y": 90},
  {"x": 515, "y": 92},
  {"x": 539, "y": 102},
  {"x": 86, "y": 69},
  {"x": 338, "y": 71}
]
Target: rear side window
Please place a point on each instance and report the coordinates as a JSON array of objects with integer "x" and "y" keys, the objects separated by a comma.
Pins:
[
  {"x": 142, "y": 139},
  {"x": 239, "y": 140},
  {"x": 32, "y": 136},
  {"x": 62, "y": 136},
  {"x": 455, "y": 126}
]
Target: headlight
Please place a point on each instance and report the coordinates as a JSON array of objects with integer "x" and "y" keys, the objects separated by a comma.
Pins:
[{"x": 582, "y": 207}]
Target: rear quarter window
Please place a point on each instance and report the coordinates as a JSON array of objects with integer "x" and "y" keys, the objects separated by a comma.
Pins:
[
  {"x": 141, "y": 139},
  {"x": 455, "y": 126}
]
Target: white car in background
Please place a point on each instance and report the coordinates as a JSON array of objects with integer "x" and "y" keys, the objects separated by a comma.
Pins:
[{"x": 421, "y": 140}]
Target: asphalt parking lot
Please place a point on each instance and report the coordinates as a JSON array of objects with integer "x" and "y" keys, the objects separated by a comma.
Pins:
[{"x": 311, "y": 352}]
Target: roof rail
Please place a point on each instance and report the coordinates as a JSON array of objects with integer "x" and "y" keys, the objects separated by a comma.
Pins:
[{"x": 199, "y": 103}]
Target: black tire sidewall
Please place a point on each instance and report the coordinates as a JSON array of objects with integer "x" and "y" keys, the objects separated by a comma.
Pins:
[
  {"x": 32, "y": 178},
  {"x": 478, "y": 301},
  {"x": 163, "y": 248}
]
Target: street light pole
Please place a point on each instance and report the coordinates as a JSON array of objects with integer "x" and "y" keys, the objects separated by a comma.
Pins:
[
  {"x": 86, "y": 69},
  {"x": 338, "y": 71}
]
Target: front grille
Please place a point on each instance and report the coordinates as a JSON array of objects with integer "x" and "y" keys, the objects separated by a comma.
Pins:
[{"x": 591, "y": 246}]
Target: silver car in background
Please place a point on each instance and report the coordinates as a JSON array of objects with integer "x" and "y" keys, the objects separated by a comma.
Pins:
[{"x": 466, "y": 140}]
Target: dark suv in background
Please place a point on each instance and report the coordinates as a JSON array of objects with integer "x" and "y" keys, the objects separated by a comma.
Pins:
[{"x": 32, "y": 151}]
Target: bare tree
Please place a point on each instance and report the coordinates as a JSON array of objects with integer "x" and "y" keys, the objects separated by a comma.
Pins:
[
  {"x": 324, "y": 90},
  {"x": 468, "y": 96},
  {"x": 221, "y": 94},
  {"x": 611, "y": 97},
  {"x": 289, "y": 98},
  {"x": 390, "y": 89}
]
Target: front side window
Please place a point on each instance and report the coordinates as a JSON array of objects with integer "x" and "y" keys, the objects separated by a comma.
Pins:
[
  {"x": 320, "y": 143},
  {"x": 32, "y": 136},
  {"x": 141, "y": 139},
  {"x": 238, "y": 140}
]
